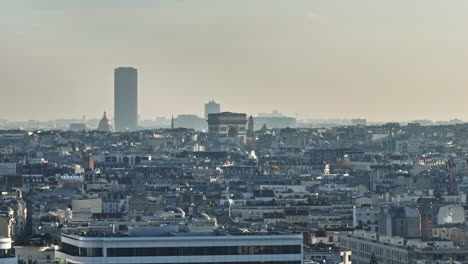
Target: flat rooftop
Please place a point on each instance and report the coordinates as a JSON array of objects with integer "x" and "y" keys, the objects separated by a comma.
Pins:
[{"x": 160, "y": 233}]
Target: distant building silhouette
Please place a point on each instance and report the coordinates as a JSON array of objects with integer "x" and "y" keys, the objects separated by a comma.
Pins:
[
  {"x": 77, "y": 127},
  {"x": 212, "y": 108},
  {"x": 105, "y": 125},
  {"x": 189, "y": 121},
  {"x": 276, "y": 122},
  {"x": 250, "y": 127},
  {"x": 125, "y": 99},
  {"x": 359, "y": 122}
]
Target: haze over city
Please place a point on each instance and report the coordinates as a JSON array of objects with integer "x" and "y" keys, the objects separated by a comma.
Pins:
[
  {"x": 380, "y": 60},
  {"x": 233, "y": 132}
]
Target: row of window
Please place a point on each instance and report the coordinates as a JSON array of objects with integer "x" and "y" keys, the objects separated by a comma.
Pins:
[
  {"x": 203, "y": 251},
  {"x": 181, "y": 251},
  {"x": 81, "y": 252},
  {"x": 251, "y": 262},
  {"x": 7, "y": 253}
]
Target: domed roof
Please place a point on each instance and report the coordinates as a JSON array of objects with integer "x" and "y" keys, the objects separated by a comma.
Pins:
[{"x": 105, "y": 125}]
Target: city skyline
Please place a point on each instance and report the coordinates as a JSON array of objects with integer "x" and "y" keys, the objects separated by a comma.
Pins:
[
  {"x": 234, "y": 132},
  {"x": 382, "y": 60}
]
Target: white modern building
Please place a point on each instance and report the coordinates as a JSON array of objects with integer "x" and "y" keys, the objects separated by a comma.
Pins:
[
  {"x": 398, "y": 250},
  {"x": 6, "y": 252},
  {"x": 175, "y": 247}
]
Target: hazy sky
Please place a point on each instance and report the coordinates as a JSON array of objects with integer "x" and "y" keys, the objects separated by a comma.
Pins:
[{"x": 377, "y": 59}]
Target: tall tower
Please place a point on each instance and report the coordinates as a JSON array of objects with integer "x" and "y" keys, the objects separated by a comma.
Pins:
[
  {"x": 212, "y": 108},
  {"x": 250, "y": 127},
  {"x": 125, "y": 99},
  {"x": 172, "y": 122}
]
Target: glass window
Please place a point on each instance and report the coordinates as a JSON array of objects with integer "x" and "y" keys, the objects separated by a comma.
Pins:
[{"x": 199, "y": 251}]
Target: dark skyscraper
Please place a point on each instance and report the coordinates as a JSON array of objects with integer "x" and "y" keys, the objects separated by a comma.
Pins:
[{"x": 125, "y": 99}]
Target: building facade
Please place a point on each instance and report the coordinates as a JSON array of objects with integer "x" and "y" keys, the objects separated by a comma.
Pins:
[
  {"x": 183, "y": 248},
  {"x": 125, "y": 99},
  {"x": 227, "y": 127},
  {"x": 365, "y": 245},
  {"x": 400, "y": 221}
]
